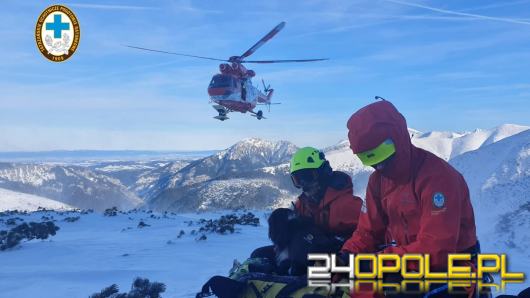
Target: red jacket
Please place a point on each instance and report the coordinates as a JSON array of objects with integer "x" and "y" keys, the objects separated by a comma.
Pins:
[
  {"x": 418, "y": 200},
  {"x": 337, "y": 213}
]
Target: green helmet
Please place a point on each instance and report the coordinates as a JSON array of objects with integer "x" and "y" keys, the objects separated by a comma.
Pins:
[{"x": 307, "y": 158}]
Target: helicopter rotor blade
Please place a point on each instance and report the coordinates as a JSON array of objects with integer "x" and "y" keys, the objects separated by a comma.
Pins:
[
  {"x": 283, "y": 61},
  {"x": 263, "y": 40},
  {"x": 178, "y": 54}
]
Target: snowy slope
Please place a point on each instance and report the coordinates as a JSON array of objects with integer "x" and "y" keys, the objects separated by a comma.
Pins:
[
  {"x": 448, "y": 145},
  {"x": 498, "y": 176},
  {"x": 251, "y": 173},
  {"x": 255, "y": 168},
  {"x": 244, "y": 156},
  {"x": 11, "y": 200},
  {"x": 222, "y": 175},
  {"x": 96, "y": 251},
  {"x": 140, "y": 177},
  {"x": 127, "y": 172},
  {"x": 73, "y": 185},
  {"x": 263, "y": 192},
  {"x": 149, "y": 183}
]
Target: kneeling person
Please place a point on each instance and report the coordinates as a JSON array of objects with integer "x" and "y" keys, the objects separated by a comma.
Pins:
[
  {"x": 326, "y": 206},
  {"x": 327, "y": 195}
]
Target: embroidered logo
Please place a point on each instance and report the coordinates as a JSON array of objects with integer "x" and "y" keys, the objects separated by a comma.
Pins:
[
  {"x": 438, "y": 200},
  {"x": 57, "y": 33}
]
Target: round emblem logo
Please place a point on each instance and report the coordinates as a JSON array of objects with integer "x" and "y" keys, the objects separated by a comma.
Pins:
[
  {"x": 438, "y": 200},
  {"x": 57, "y": 33}
]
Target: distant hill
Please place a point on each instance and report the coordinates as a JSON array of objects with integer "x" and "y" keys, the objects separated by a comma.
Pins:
[
  {"x": 498, "y": 176},
  {"x": 11, "y": 200},
  {"x": 251, "y": 173},
  {"x": 73, "y": 185},
  {"x": 86, "y": 155}
]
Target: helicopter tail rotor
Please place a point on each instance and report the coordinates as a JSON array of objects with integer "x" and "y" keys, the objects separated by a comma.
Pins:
[{"x": 266, "y": 88}]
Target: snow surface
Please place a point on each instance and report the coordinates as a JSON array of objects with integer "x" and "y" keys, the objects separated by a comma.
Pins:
[
  {"x": 72, "y": 185},
  {"x": 96, "y": 251},
  {"x": 498, "y": 176},
  {"x": 11, "y": 200},
  {"x": 447, "y": 145}
]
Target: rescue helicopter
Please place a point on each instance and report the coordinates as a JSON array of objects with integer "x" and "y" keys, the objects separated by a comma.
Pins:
[{"x": 232, "y": 90}]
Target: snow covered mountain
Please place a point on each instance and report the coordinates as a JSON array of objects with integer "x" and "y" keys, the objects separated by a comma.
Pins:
[
  {"x": 148, "y": 183},
  {"x": 140, "y": 177},
  {"x": 498, "y": 176},
  {"x": 244, "y": 156},
  {"x": 127, "y": 172},
  {"x": 11, "y": 200},
  {"x": 72, "y": 185},
  {"x": 252, "y": 173},
  {"x": 239, "y": 176},
  {"x": 448, "y": 145}
]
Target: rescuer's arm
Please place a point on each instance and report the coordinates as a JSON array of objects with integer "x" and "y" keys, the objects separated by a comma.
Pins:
[
  {"x": 370, "y": 232},
  {"x": 441, "y": 196},
  {"x": 346, "y": 216}
]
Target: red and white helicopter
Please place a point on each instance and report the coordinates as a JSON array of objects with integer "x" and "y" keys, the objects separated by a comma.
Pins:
[{"x": 232, "y": 89}]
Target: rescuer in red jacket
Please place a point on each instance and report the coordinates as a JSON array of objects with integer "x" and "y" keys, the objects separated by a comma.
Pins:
[
  {"x": 415, "y": 201},
  {"x": 327, "y": 195},
  {"x": 326, "y": 201}
]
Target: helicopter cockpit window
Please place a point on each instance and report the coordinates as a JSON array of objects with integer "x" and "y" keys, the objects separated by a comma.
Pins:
[{"x": 222, "y": 81}]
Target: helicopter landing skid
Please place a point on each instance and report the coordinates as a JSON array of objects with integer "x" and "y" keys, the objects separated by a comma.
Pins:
[
  {"x": 222, "y": 113},
  {"x": 258, "y": 115}
]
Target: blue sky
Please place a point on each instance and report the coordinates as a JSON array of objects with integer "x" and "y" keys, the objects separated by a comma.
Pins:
[{"x": 447, "y": 65}]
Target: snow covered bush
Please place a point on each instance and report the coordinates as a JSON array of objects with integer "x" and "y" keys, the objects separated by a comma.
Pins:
[
  {"x": 141, "y": 288},
  {"x": 71, "y": 218},
  {"x": 33, "y": 230},
  {"x": 226, "y": 223},
  {"x": 111, "y": 211}
]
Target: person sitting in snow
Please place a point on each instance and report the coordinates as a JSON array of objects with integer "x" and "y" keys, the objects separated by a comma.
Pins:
[
  {"x": 416, "y": 202},
  {"x": 326, "y": 206}
]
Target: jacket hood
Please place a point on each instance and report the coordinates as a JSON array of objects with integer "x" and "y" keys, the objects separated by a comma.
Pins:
[{"x": 372, "y": 125}]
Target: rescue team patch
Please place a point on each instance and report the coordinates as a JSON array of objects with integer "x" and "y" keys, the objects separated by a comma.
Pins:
[
  {"x": 57, "y": 33},
  {"x": 438, "y": 200}
]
